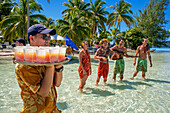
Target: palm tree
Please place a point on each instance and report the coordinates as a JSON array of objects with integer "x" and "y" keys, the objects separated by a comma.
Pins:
[
  {"x": 49, "y": 23},
  {"x": 113, "y": 32},
  {"x": 122, "y": 9},
  {"x": 75, "y": 29},
  {"x": 28, "y": 14},
  {"x": 75, "y": 8},
  {"x": 97, "y": 16},
  {"x": 15, "y": 24},
  {"x": 5, "y": 8},
  {"x": 74, "y": 23}
]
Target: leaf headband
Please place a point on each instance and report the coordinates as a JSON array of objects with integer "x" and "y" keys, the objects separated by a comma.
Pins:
[{"x": 103, "y": 40}]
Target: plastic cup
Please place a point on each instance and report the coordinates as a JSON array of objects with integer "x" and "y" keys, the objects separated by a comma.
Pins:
[
  {"x": 47, "y": 57},
  {"x": 29, "y": 55},
  {"x": 34, "y": 57},
  {"x": 41, "y": 55},
  {"x": 54, "y": 54},
  {"x": 19, "y": 54},
  {"x": 62, "y": 52}
]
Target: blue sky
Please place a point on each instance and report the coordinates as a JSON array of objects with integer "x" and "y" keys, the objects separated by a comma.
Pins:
[{"x": 55, "y": 7}]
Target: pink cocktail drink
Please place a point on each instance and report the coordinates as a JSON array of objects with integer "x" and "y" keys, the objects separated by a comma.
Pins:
[
  {"x": 54, "y": 57},
  {"x": 41, "y": 56},
  {"x": 19, "y": 56},
  {"x": 29, "y": 55},
  {"x": 47, "y": 57},
  {"x": 61, "y": 57},
  {"x": 54, "y": 54},
  {"x": 34, "y": 56},
  {"x": 62, "y": 52}
]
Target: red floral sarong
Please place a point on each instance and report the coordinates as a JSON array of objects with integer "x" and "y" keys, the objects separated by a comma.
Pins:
[
  {"x": 103, "y": 69},
  {"x": 86, "y": 65}
]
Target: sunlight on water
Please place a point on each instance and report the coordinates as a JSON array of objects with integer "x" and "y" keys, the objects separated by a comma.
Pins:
[{"x": 130, "y": 96}]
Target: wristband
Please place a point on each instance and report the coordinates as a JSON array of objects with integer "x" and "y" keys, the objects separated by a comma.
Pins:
[{"x": 59, "y": 69}]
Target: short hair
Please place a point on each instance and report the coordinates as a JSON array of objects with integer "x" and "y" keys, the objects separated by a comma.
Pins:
[
  {"x": 143, "y": 39},
  {"x": 121, "y": 39}
]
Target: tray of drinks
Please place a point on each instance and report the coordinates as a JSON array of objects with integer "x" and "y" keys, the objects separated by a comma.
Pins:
[
  {"x": 44, "y": 64},
  {"x": 31, "y": 55}
]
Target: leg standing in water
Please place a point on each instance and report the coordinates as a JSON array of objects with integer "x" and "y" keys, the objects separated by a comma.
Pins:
[
  {"x": 84, "y": 65},
  {"x": 119, "y": 68},
  {"x": 142, "y": 50}
]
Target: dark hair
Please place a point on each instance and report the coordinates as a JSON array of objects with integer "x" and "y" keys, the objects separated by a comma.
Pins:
[
  {"x": 121, "y": 39},
  {"x": 143, "y": 39}
]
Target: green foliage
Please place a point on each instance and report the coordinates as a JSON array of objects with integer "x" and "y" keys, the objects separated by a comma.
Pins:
[
  {"x": 5, "y": 8},
  {"x": 75, "y": 21},
  {"x": 133, "y": 38},
  {"x": 151, "y": 22},
  {"x": 14, "y": 25}
]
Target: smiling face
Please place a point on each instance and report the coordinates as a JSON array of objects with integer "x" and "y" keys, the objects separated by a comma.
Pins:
[
  {"x": 121, "y": 42},
  {"x": 145, "y": 41},
  {"x": 86, "y": 45},
  {"x": 39, "y": 40},
  {"x": 104, "y": 44}
]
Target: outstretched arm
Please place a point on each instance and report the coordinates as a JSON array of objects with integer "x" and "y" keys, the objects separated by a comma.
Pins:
[
  {"x": 115, "y": 49},
  {"x": 149, "y": 56},
  {"x": 129, "y": 56}
]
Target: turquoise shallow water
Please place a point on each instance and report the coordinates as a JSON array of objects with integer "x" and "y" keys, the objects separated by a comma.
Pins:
[{"x": 130, "y": 96}]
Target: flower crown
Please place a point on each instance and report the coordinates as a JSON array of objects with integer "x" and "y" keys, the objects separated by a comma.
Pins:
[
  {"x": 82, "y": 43},
  {"x": 103, "y": 40}
]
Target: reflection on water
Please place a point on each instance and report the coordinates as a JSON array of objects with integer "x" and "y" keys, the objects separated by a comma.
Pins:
[{"x": 151, "y": 95}]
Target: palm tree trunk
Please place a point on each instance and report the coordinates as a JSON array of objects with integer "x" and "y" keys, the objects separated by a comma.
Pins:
[
  {"x": 116, "y": 32},
  {"x": 28, "y": 15}
]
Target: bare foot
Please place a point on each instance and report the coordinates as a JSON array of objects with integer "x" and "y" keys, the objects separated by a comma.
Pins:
[
  {"x": 96, "y": 84},
  {"x": 120, "y": 80},
  {"x": 132, "y": 78},
  {"x": 104, "y": 83},
  {"x": 81, "y": 90},
  {"x": 114, "y": 81},
  {"x": 143, "y": 78}
]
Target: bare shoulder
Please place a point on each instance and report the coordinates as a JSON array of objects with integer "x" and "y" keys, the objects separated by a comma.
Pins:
[
  {"x": 116, "y": 46},
  {"x": 81, "y": 52},
  {"x": 138, "y": 47}
]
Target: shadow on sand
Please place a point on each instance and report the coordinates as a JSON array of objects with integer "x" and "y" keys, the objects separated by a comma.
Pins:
[
  {"x": 99, "y": 92},
  {"x": 76, "y": 60},
  {"x": 137, "y": 83},
  {"x": 121, "y": 87},
  {"x": 62, "y": 105},
  {"x": 159, "y": 81}
]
